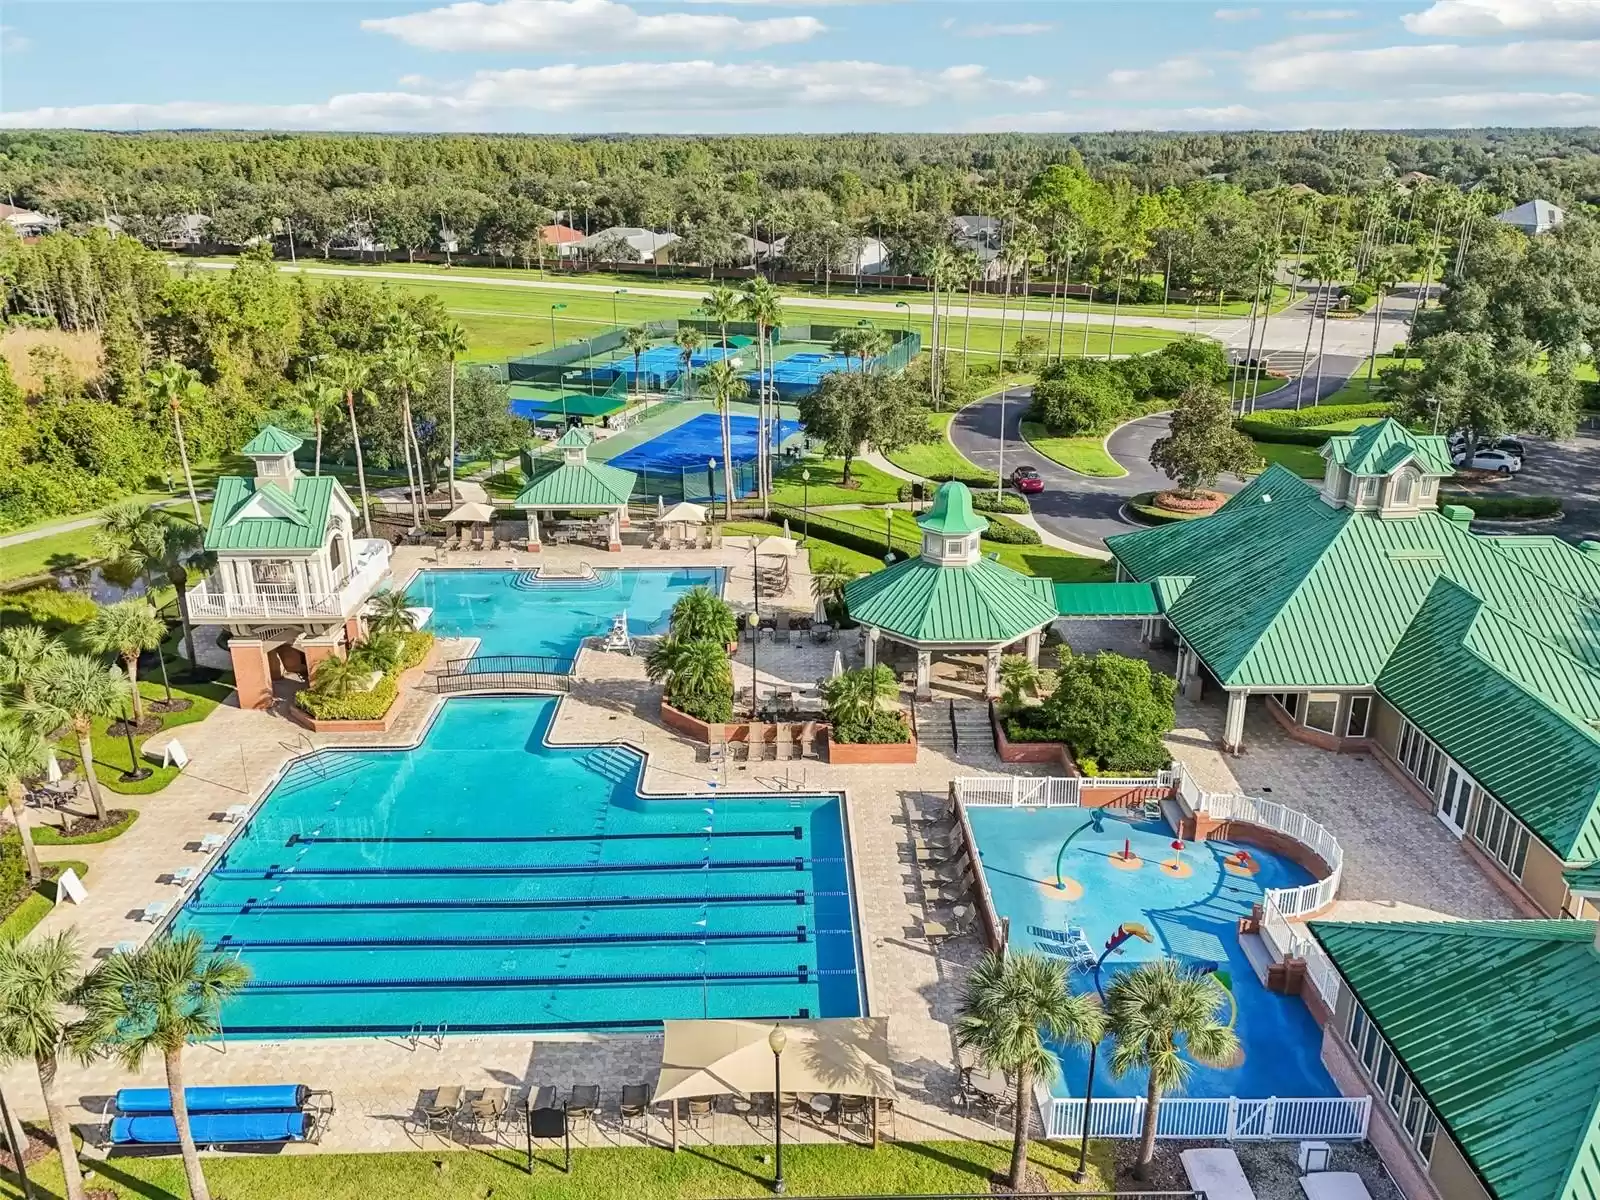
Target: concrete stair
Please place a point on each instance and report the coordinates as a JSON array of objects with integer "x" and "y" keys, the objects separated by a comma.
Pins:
[
  {"x": 934, "y": 730},
  {"x": 974, "y": 733}
]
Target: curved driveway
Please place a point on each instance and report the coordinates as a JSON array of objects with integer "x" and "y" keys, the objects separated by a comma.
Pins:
[{"x": 1085, "y": 508}]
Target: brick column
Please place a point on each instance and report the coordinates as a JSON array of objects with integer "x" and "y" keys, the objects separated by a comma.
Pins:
[{"x": 251, "y": 673}]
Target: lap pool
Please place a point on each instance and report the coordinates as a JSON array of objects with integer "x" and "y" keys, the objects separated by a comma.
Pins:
[
  {"x": 487, "y": 882},
  {"x": 1051, "y": 867}
]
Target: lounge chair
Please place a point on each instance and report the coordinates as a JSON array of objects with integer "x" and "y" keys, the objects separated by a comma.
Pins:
[
  {"x": 235, "y": 813},
  {"x": 583, "y": 1103},
  {"x": 443, "y": 1113},
  {"x": 951, "y": 893},
  {"x": 635, "y": 1103},
  {"x": 211, "y": 842},
  {"x": 183, "y": 876},
  {"x": 155, "y": 910},
  {"x": 489, "y": 1109}
]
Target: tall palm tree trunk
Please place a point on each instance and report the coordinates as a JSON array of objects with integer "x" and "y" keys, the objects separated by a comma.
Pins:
[
  {"x": 361, "y": 478},
  {"x": 966, "y": 331},
  {"x": 415, "y": 481},
  {"x": 188, "y": 475},
  {"x": 1147, "y": 1138},
  {"x": 1322, "y": 344},
  {"x": 86, "y": 756},
  {"x": 15, "y": 797},
  {"x": 1305, "y": 355},
  {"x": 130, "y": 664},
  {"x": 452, "y": 430},
  {"x": 180, "y": 583},
  {"x": 316, "y": 467},
  {"x": 1116, "y": 309},
  {"x": 1005, "y": 304},
  {"x": 1020, "y": 1129},
  {"x": 60, "y": 1127},
  {"x": 192, "y": 1170}
]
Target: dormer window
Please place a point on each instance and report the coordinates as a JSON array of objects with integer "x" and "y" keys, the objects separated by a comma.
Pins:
[
  {"x": 953, "y": 547},
  {"x": 1367, "y": 490},
  {"x": 1403, "y": 489}
]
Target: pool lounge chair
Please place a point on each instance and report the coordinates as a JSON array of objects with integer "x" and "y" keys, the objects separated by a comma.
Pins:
[
  {"x": 635, "y": 1104},
  {"x": 489, "y": 1109},
  {"x": 583, "y": 1103},
  {"x": 443, "y": 1113},
  {"x": 155, "y": 910}
]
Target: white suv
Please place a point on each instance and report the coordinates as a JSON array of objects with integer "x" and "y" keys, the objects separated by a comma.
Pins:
[{"x": 1502, "y": 461}]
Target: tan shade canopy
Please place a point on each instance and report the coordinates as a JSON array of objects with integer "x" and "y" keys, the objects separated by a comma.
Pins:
[
  {"x": 845, "y": 1055},
  {"x": 478, "y": 514},
  {"x": 686, "y": 513},
  {"x": 773, "y": 544}
]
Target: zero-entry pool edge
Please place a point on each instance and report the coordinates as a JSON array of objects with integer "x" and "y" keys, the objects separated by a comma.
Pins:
[{"x": 858, "y": 966}]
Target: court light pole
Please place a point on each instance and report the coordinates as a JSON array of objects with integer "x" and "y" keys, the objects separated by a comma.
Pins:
[
  {"x": 805, "y": 498},
  {"x": 776, "y": 1041},
  {"x": 907, "y": 307},
  {"x": 554, "y": 309},
  {"x": 755, "y": 636},
  {"x": 614, "y": 295}
]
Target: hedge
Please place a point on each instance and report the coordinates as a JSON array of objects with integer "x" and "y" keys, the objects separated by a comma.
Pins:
[
  {"x": 1007, "y": 532},
  {"x": 1290, "y": 427},
  {"x": 357, "y": 706},
  {"x": 984, "y": 496},
  {"x": 1506, "y": 508},
  {"x": 851, "y": 537},
  {"x": 49, "y": 606}
]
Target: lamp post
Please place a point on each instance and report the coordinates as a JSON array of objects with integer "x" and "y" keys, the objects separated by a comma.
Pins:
[
  {"x": 907, "y": 307},
  {"x": 135, "y": 772},
  {"x": 614, "y": 295},
  {"x": 755, "y": 675},
  {"x": 805, "y": 498},
  {"x": 777, "y": 1040},
  {"x": 554, "y": 309},
  {"x": 711, "y": 484},
  {"x": 888, "y": 533}
]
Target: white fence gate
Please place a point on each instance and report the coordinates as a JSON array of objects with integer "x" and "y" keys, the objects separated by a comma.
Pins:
[
  {"x": 1019, "y": 791},
  {"x": 1276, "y": 1117}
]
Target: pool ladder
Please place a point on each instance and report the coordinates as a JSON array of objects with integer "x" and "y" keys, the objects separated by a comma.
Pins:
[{"x": 420, "y": 1034}]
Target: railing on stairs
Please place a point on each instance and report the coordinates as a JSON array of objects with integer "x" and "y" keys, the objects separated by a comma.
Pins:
[{"x": 504, "y": 673}]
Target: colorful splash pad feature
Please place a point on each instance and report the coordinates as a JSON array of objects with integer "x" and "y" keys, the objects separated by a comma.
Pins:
[
  {"x": 1063, "y": 888},
  {"x": 1126, "y": 859},
  {"x": 1176, "y": 866},
  {"x": 1241, "y": 863}
]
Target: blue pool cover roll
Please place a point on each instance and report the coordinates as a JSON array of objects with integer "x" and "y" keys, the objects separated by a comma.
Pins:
[
  {"x": 144, "y": 1101},
  {"x": 212, "y": 1128}
]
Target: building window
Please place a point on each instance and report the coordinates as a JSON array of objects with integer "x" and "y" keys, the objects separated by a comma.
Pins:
[
  {"x": 1429, "y": 486},
  {"x": 1355, "y": 723},
  {"x": 1341, "y": 483},
  {"x": 1391, "y": 1083},
  {"x": 1420, "y": 756},
  {"x": 1502, "y": 836},
  {"x": 1322, "y": 711},
  {"x": 1402, "y": 489},
  {"x": 1367, "y": 491},
  {"x": 953, "y": 547},
  {"x": 1290, "y": 702}
]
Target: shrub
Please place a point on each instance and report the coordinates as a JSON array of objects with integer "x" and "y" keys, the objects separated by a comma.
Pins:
[
  {"x": 1080, "y": 396},
  {"x": 1506, "y": 508},
  {"x": 1359, "y": 294},
  {"x": 1286, "y": 427},
  {"x": 1110, "y": 708},
  {"x": 1005, "y": 502},
  {"x": 415, "y": 647},
  {"x": 879, "y": 729},
  {"x": 357, "y": 706},
  {"x": 49, "y": 606},
  {"x": 713, "y": 709},
  {"x": 1188, "y": 360},
  {"x": 1007, "y": 532}
]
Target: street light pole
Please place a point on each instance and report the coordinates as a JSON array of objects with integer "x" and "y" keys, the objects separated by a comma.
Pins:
[
  {"x": 805, "y": 498},
  {"x": 755, "y": 672},
  {"x": 614, "y": 295},
  {"x": 777, "y": 1040},
  {"x": 554, "y": 309},
  {"x": 907, "y": 307}
]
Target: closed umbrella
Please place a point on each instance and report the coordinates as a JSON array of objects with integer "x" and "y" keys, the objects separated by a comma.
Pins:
[
  {"x": 661, "y": 506},
  {"x": 52, "y": 768},
  {"x": 838, "y": 665},
  {"x": 786, "y": 527},
  {"x": 820, "y": 614}
]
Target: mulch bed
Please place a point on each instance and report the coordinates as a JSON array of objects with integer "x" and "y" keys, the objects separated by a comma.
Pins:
[
  {"x": 151, "y": 724},
  {"x": 163, "y": 706},
  {"x": 83, "y": 826},
  {"x": 40, "y": 1144},
  {"x": 1176, "y": 502}
]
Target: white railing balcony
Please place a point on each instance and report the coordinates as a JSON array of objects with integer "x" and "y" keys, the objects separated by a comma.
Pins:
[{"x": 287, "y": 601}]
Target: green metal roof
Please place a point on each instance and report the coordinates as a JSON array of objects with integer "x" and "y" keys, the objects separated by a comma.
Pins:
[
  {"x": 1497, "y": 1025},
  {"x": 1511, "y": 709},
  {"x": 577, "y": 436},
  {"x": 576, "y": 404},
  {"x": 578, "y": 485},
  {"x": 272, "y": 440},
  {"x": 248, "y": 514},
  {"x": 1584, "y": 879},
  {"x": 982, "y": 604},
  {"x": 952, "y": 511},
  {"x": 1107, "y": 600},
  {"x": 1379, "y": 448}
]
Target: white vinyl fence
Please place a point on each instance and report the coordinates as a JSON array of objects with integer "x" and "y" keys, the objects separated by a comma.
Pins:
[
  {"x": 1037, "y": 791},
  {"x": 1276, "y": 1117}
]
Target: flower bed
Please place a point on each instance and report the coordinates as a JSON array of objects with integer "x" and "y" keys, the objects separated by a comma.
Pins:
[
  {"x": 1175, "y": 502},
  {"x": 869, "y": 753},
  {"x": 371, "y": 711}
]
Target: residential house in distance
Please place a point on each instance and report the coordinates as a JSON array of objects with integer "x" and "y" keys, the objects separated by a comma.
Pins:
[
  {"x": 981, "y": 236},
  {"x": 292, "y": 574},
  {"x": 1477, "y": 1042},
  {"x": 1533, "y": 218},
  {"x": 1365, "y": 617},
  {"x": 563, "y": 237},
  {"x": 627, "y": 243},
  {"x": 28, "y": 223},
  {"x": 871, "y": 256}
]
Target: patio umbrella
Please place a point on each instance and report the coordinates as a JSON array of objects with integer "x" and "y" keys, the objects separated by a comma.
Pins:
[
  {"x": 661, "y": 505},
  {"x": 838, "y": 665},
  {"x": 52, "y": 768},
  {"x": 776, "y": 545},
  {"x": 685, "y": 513},
  {"x": 820, "y": 613},
  {"x": 786, "y": 528},
  {"x": 470, "y": 513}
]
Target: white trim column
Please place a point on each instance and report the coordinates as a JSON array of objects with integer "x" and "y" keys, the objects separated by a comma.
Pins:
[
  {"x": 533, "y": 529},
  {"x": 991, "y": 673},
  {"x": 869, "y": 648},
  {"x": 1188, "y": 672},
  {"x": 1032, "y": 646},
  {"x": 1233, "y": 723},
  {"x": 924, "y": 675}
]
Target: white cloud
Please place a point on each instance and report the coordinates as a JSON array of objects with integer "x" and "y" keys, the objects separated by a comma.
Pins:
[
  {"x": 1457, "y": 110},
  {"x": 1480, "y": 18},
  {"x": 629, "y": 89},
  {"x": 1236, "y": 14},
  {"x": 1435, "y": 64},
  {"x": 1325, "y": 14},
  {"x": 566, "y": 26},
  {"x": 1170, "y": 75},
  {"x": 1020, "y": 29},
  {"x": 1299, "y": 43}
]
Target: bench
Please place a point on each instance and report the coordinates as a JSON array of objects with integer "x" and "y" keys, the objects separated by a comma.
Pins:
[{"x": 271, "y": 1114}]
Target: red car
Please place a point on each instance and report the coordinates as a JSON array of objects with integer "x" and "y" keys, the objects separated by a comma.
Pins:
[{"x": 1026, "y": 479}]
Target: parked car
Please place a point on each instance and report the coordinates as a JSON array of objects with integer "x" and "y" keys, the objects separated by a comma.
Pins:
[
  {"x": 1513, "y": 446},
  {"x": 1026, "y": 479},
  {"x": 1489, "y": 460}
]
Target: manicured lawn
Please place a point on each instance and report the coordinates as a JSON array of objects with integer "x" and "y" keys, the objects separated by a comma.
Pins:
[
  {"x": 1304, "y": 461},
  {"x": 895, "y": 1168},
  {"x": 35, "y": 907},
  {"x": 62, "y": 551},
  {"x": 817, "y": 548},
  {"x": 940, "y": 459},
  {"x": 1085, "y": 455},
  {"x": 111, "y": 753},
  {"x": 1046, "y": 561},
  {"x": 872, "y": 486},
  {"x": 1357, "y": 390}
]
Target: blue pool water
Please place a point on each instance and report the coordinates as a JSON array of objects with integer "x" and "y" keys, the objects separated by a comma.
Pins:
[
  {"x": 1027, "y": 853},
  {"x": 488, "y": 882},
  {"x": 697, "y": 440},
  {"x": 513, "y": 614}
]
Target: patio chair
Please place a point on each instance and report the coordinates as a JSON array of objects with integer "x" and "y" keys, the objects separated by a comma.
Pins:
[
  {"x": 716, "y": 752},
  {"x": 700, "y": 1107},
  {"x": 441, "y": 1115},
  {"x": 951, "y": 893},
  {"x": 583, "y": 1103},
  {"x": 489, "y": 1109},
  {"x": 854, "y": 1110},
  {"x": 635, "y": 1104}
]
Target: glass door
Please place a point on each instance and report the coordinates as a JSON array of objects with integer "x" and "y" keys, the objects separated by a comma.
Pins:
[{"x": 1455, "y": 798}]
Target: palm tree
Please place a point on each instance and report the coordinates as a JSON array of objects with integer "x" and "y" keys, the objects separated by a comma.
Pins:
[
  {"x": 25, "y": 652},
  {"x": 381, "y": 652},
  {"x": 317, "y": 396},
  {"x": 688, "y": 339},
  {"x": 1157, "y": 1013},
  {"x": 390, "y": 612},
  {"x": 724, "y": 384},
  {"x": 855, "y": 696},
  {"x": 352, "y": 374},
  {"x": 1013, "y": 1004},
  {"x": 763, "y": 304},
  {"x": 450, "y": 340},
  {"x": 74, "y": 690},
  {"x": 1017, "y": 676},
  {"x": 403, "y": 369},
  {"x": 37, "y": 982},
  {"x": 154, "y": 543},
  {"x": 700, "y": 615},
  {"x": 689, "y": 669},
  {"x": 721, "y": 305},
  {"x": 159, "y": 998},
  {"x": 828, "y": 577},
  {"x": 340, "y": 674},
  {"x": 174, "y": 385},
  {"x": 22, "y": 756},
  {"x": 125, "y": 629},
  {"x": 636, "y": 340}
]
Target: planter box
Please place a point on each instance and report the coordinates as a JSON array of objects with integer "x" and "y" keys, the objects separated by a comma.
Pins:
[
  {"x": 865, "y": 753},
  {"x": 754, "y": 732},
  {"x": 1053, "y": 753},
  {"x": 408, "y": 679}
]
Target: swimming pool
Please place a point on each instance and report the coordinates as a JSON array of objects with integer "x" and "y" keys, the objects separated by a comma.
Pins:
[
  {"x": 1051, "y": 867},
  {"x": 510, "y": 612},
  {"x": 486, "y": 882}
]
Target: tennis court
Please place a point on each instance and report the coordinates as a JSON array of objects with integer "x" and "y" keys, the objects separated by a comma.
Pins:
[{"x": 679, "y": 456}]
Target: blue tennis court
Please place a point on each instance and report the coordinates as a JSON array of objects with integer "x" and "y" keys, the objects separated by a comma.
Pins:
[
  {"x": 673, "y": 463},
  {"x": 660, "y": 366}
]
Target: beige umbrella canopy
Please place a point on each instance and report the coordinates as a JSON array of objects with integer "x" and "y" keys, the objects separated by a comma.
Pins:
[
  {"x": 470, "y": 513},
  {"x": 776, "y": 545},
  {"x": 685, "y": 513}
]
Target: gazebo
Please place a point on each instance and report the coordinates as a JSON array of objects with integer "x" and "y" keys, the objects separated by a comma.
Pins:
[
  {"x": 578, "y": 485},
  {"x": 951, "y": 598}
]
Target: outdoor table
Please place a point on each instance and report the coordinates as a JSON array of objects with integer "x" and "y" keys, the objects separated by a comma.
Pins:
[
  {"x": 990, "y": 1083},
  {"x": 819, "y": 1104}
]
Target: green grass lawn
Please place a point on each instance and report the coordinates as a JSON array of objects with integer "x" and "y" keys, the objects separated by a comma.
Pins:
[
  {"x": 1085, "y": 455},
  {"x": 1304, "y": 461},
  {"x": 111, "y": 753},
  {"x": 817, "y": 548},
  {"x": 34, "y": 907},
  {"x": 872, "y": 485},
  {"x": 1046, "y": 561},
  {"x": 940, "y": 459},
  {"x": 895, "y": 1168},
  {"x": 1357, "y": 390}
]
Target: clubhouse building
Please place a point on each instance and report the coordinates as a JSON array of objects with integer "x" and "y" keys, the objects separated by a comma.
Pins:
[{"x": 1365, "y": 617}]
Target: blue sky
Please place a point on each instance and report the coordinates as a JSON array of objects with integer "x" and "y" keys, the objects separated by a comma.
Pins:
[{"x": 798, "y": 65}]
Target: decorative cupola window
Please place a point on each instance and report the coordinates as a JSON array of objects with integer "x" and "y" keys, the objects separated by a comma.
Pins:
[
  {"x": 951, "y": 530},
  {"x": 272, "y": 450},
  {"x": 1386, "y": 469},
  {"x": 574, "y": 446}
]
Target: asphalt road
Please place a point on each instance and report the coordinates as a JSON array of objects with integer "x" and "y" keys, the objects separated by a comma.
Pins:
[{"x": 1084, "y": 508}]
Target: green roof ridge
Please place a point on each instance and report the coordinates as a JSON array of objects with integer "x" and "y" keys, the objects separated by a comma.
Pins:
[
  {"x": 577, "y": 436},
  {"x": 1380, "y": 447},
  {"x": 271, "y": 441},
  {"x": 952, "y": 511}
]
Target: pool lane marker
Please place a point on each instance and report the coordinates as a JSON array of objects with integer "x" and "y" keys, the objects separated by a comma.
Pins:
[
  {"x": 278, "y": 871},
  {"x": 307, "y": 839}
]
